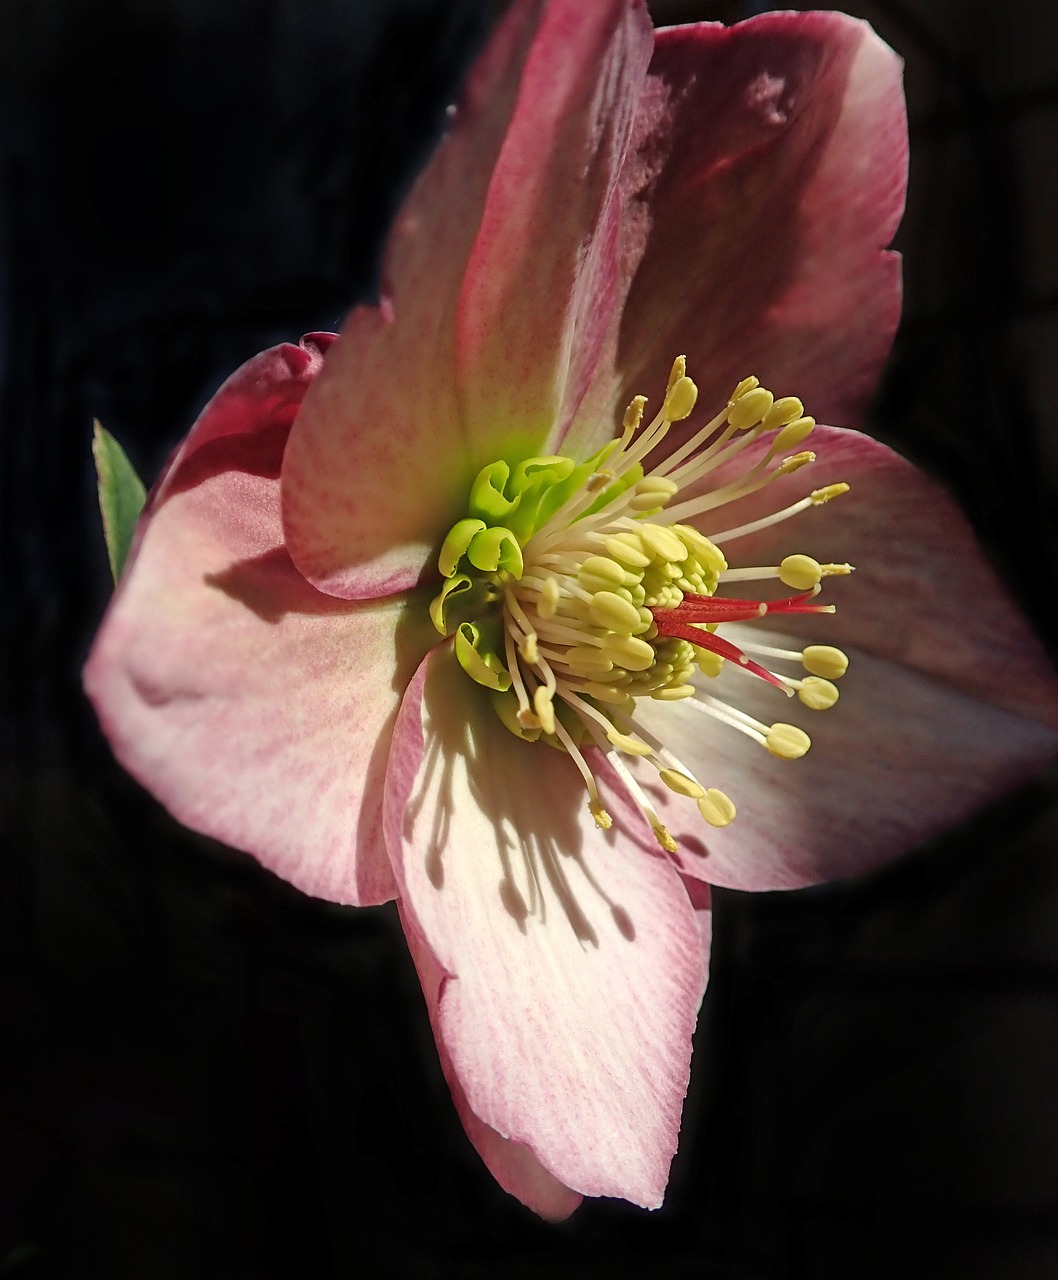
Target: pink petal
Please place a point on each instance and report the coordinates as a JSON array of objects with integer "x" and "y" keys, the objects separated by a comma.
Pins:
[
  {"x": 539, "y": 285},
  {"x": 899, "y": 758},
  {"x": 568, "y": 1026},
  {"x": 265, "y": 391},
  {"x": 922, "y": 594},
  {"x": 772, "y": 159},
  {"x": 512, "y": 1164},
  {"x": 257, "y": 710},
  {"x": 381, "y": 458}
]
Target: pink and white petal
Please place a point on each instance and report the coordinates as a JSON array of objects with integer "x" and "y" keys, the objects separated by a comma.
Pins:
[
  {"x": 898, "y": 759},
  {"x": 380, "y": 458},
  {"x": 772, "y": 156},
  {"x": 922, "y": 594},
  {"x": 512, "y": 1164},
  {"x": 256, "y": 709},
  {"x": 538, "y": 291},
  {"x": 574, "y": 961},
  {"x": 266, "y": 391}
]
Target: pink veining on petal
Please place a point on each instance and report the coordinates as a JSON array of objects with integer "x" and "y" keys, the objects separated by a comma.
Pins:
[
  {"x": 575, "y": 963},
  {"x": 538, "y": 292},
  {"x": 256, "y": 709},
  {"x": 380, "y": 458},
  {"x": 766, "y": 181},
  {"x": 512, "y": 1164}
]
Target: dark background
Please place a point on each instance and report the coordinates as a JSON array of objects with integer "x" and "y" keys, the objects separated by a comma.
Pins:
[{"x": 203, "y": 1073}]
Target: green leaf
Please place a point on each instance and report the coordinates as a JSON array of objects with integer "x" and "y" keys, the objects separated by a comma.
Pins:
[{"x": 121, "y": 497}]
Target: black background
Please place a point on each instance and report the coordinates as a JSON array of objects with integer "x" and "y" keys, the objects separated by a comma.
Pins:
[{"x": 203, "y": 1073}]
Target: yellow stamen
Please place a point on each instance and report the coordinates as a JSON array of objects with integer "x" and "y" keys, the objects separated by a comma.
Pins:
[
  {"x": 602, "y": 819},
  {"x": 785, "y": 410},
  {"x": 678, "y": 371},
  {"x": 817, "y": 694},
  {"x": 826, "y": 661},
  {"x": 680, "y": 400},
  {"x": 787, "y": 741},
  {"x": 795, "y": 462},
  {"x": 662, "y": 836},
  {"x": 716, "y": 808},
  {"x": 750, "y": 408},
  {"x": 681, "y": 784},
  {"x": 629, "y": 745},
  {"x": 802, "y": 573},
  {"x": 819, "y": 496}
]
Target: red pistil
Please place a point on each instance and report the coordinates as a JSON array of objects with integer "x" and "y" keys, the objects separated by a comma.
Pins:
[
  {"x": 687, "y": 622},
  {"x": 723, "y": 609},
  {"x": 715, "y": 644}
]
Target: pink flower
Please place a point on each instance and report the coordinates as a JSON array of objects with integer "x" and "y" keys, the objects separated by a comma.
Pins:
[{"x": 273, "y": 666}]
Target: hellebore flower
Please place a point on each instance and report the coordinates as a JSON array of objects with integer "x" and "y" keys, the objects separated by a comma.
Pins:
[{"x": 437, "y": 612}]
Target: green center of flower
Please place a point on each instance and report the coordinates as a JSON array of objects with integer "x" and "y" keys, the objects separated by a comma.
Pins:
[{"x": 573, "y": 590}]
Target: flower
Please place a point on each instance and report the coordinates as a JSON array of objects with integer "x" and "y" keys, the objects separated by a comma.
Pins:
[{"x": 385, "y": 575}]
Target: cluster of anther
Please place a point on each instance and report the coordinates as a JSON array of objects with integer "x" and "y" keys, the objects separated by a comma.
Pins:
[{"x": 574, "y": 590}]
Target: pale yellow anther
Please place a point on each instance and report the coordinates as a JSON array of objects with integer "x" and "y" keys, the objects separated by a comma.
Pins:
[
  {"x": 607, "y": 693},
  {"x": 709, "y": 663},
  {"x": 802, "y": 573},
  {"x": 528, "y": 719},
  {"x": 664, "y": 543},
  {"x": 544, "y": 708},
  {"x": 634, "y": 413},
  {"x": 750, "y": 408},
  {"x": 600, "y": 573},
  {"x": 548, "y": 602},
  {"x": 716, "y": 808},
  {"x": 817, "y": 694},
  {"x": 787, "y": 741},
  {"x": 785, "y": 410},
  {"x": 628, "y": 548},
  {"x": 602, "y": 819},
  {"x": 680, "y": 400},
  {"x": 629, "y": 745},
  {"x": 587, "y": 660},
  {"x": 826, "y": 661},
  {"x": 819, "y": 496},
  {"x": 629, "y": 652},
  {"x": 661, "y": 835},
  {"x": 795, "y": 462},
  {"x": 678, "y": 371},
  {"x": 673, "y": 692},
  {"x": 681, "y": 784},
  {"x": 599, "y": 481},
  {"x": 792, "y": 434},
  {"x": 652, "y": 492},
  {"x": 527, "y": 647},
  {"x": 608, "y": 609},
  {"x": 837, "y": 570},
  {"x": 747, "y": 384}
]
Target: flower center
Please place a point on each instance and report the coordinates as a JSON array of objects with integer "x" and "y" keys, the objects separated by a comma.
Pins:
[{"x": 574, "y": 590}]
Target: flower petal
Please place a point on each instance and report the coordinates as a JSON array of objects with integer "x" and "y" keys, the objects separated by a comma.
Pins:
[
  {"x": 256, "y": 709},
  {"x": 538, "y": 291},
  {"x": 266, "y": 391},
  {"x": 512, "y": 1164},
  {"x": 772, "y": 158},
  {"x": 380, "y": 458},
  {"x": 922, "y": 594},
  {"x": 898, "y": 759},
  {"x": 574, "y": 960}
]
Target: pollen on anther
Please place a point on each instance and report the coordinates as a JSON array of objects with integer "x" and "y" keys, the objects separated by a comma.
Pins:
[
  {"x": 602, "y": 819},
  {"x": 663, "y": 837}
]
